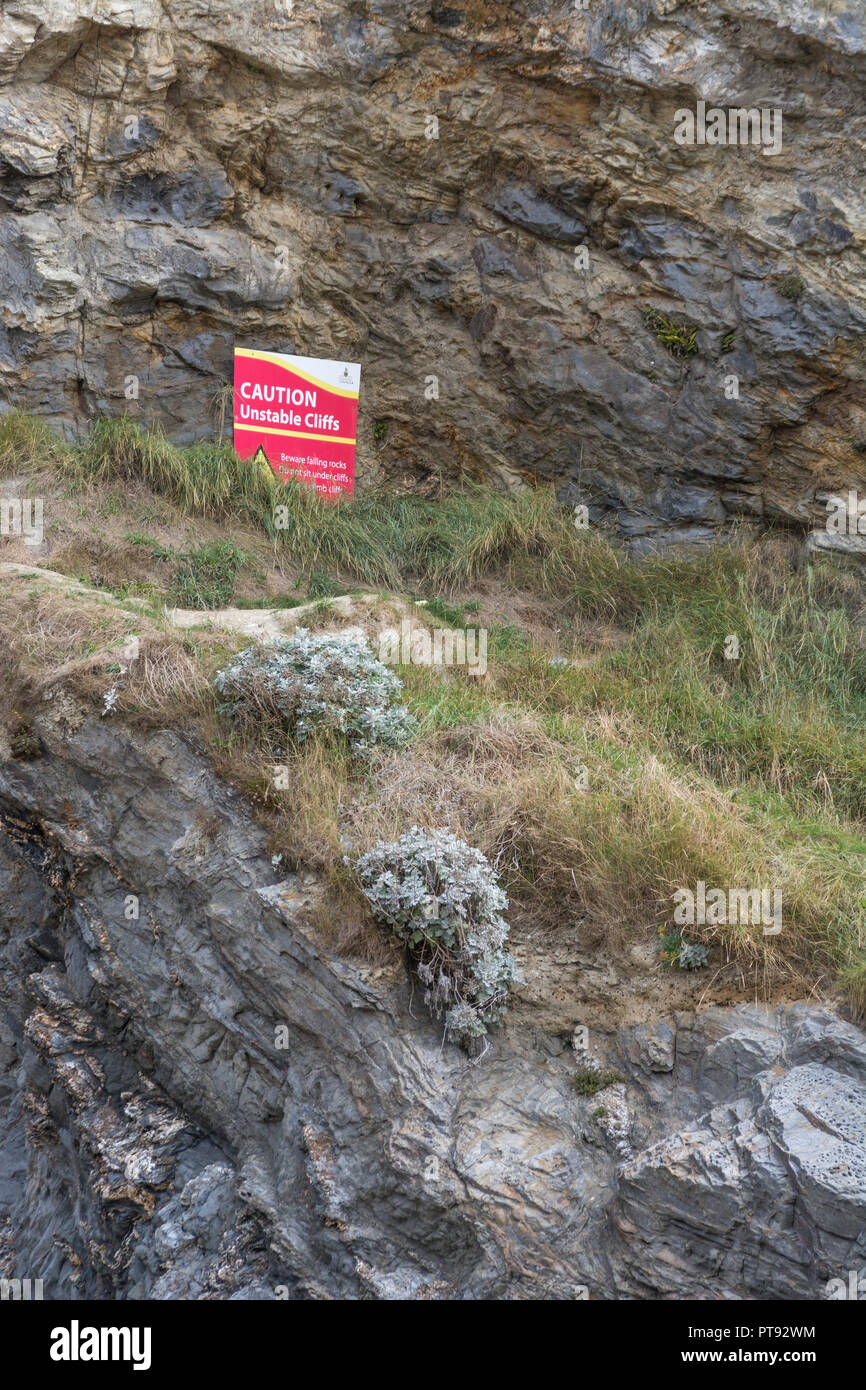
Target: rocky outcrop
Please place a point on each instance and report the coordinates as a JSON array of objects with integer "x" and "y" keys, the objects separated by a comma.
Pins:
[
  {"x": 198, "y": 1099},
  {"x": 410, "y": 185},
  {"x": 764, "y": 1194}
]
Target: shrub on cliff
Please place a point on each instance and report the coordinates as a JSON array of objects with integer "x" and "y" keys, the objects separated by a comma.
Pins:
[
  {"x": 674, "y": 950},
  {"x": 312, "y": 682},
  {"x": 441, "y": 898}
]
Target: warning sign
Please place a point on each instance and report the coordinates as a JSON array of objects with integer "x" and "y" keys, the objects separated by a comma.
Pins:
[{"x": 300, "y": 415}]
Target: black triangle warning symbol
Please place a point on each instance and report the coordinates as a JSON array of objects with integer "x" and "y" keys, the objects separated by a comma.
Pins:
[{"x": 261, "y": 457}]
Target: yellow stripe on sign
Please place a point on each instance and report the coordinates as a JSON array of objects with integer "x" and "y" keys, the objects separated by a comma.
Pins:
[
  {"x": 305, "y": 376},
  {"x": 293, "y": 434}
]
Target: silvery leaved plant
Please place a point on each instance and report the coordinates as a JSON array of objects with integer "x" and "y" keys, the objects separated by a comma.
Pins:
[
  {"x": 441, "y": 898},
  {"x": 675, "y": 951},
  {"x": 692, "y": 956},
  {"x": 309, "y": 682}
]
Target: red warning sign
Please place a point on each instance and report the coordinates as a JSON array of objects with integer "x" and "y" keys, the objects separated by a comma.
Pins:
[{"x": 300, "y": 414}]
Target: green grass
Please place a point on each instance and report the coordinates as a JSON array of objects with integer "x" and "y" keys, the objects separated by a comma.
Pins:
[
  {"x": 588, "y": 1082},
  {"x": 789, "y": 711},
  {"x": 445, "y": 704},
  {"x": 382, "y": 539},
  {"x": 450, "y": 613},
  {"x": 320, "y": 584},
  {"x": 28, "y": 442},
  {"x": 274, "y": 601},
  {"x": 206, "y": 576},
  {"x": 505, "y": 639},
  {"x": 203, "y": 479},
  {"x": 678, "y": 338},
  {"x": 750, "y": 770}
]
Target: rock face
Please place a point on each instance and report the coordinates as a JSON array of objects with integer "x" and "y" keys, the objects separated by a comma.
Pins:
[
  {"x": 487, "y": 194},
  {"x": 763, "y": 1195},
  {"x": 198, "y": 1100}
]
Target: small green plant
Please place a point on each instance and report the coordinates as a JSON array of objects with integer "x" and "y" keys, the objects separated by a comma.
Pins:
[
  {"x": 507, "y": 638},
  {"x": 380, "y": 431},
  {"x": 446, "y": 612},
  {"x": 676, "y": 952},
  {"x": 669, "y": 945},
  {"x": 729, "y": 342},
  {"x": 678, "y": 338},
  {"x": 790, "y": 286},
  {"x": 156, "y": 548},
  {"x": 442, "y": 899},
  {"x": 588, "y": 1080},
  {"x": 692, "y": 956},
  {"x": 321, "y": 585},
  {"x": 206, "y": 576},
  {"x": 25, "y": 744}
]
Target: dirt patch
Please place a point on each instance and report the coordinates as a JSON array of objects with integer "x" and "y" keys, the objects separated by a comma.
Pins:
[
  {"x": 543, "y": 621},
  {"x": 361, "y": 615}
]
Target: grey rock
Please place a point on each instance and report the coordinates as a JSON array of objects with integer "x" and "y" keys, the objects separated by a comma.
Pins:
[
  {"x": 156, "y": 1142},
  {"x": 537, "y": 213},
  {"x": 760, "y": 1196},
  {"x": 653, "y": 1047}
]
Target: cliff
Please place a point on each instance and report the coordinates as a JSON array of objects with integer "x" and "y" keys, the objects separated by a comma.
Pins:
[
  {"x": 219, "y": 1077},
  {"x": 487, "y": 194}
]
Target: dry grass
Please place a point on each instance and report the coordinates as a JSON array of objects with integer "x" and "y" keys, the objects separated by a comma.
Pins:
[
  {"x": 58, "y": 637},
  {"x": 611, "y": 856},
  {"x": 105, "y": 562},
  {"x": 304, "y": 824},
  {"x": 28, "y": 444}
]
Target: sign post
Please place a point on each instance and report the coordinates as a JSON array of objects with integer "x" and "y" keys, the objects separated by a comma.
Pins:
[{"x": 299, "y": 415}]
